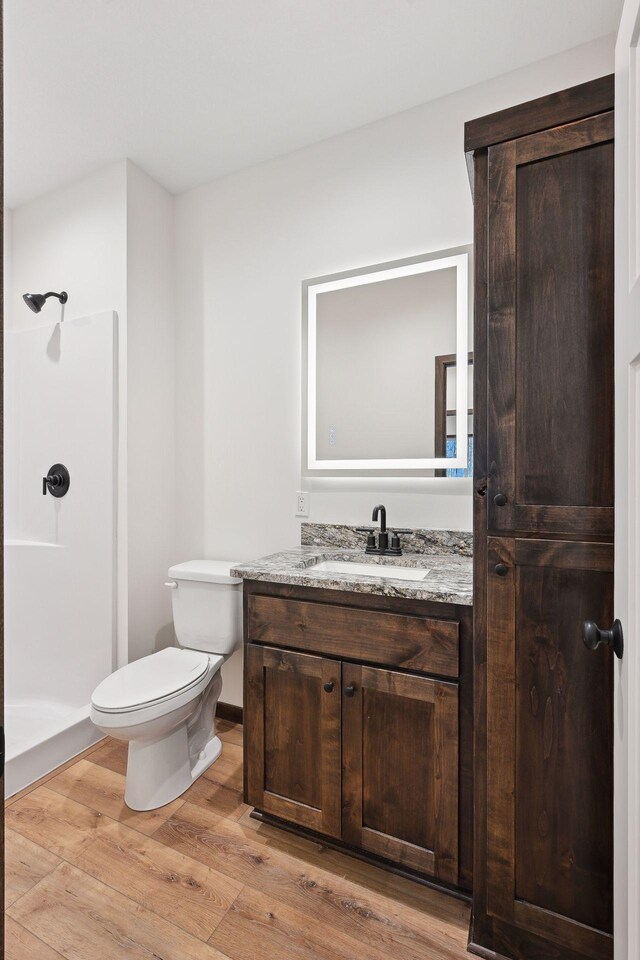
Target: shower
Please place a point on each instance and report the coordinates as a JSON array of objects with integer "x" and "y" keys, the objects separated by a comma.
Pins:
[{"x": 36, "y": 301}]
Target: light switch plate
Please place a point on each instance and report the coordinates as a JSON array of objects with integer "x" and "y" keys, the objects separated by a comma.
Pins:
[{"x": 302, "y": 503}]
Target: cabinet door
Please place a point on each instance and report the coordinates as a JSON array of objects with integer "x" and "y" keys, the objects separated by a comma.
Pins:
[
  {"x": 400, "y": 768},
  {"x": 549, "y": 742},
  {"x": 550, "y": 331},
  {"x": 292, "y": 734}
]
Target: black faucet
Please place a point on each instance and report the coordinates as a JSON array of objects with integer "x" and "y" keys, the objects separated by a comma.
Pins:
[{"x": 383, "y": 546}]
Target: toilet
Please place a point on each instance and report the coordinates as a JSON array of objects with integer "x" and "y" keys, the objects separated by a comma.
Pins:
[{"x": 164, "y": 705}]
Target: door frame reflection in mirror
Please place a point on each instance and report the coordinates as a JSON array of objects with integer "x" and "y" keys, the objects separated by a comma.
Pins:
[{"x": 458, "y": 258}]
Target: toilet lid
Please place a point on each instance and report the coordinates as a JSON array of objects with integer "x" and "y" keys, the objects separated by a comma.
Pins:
[{"x": 157, "y": 677}]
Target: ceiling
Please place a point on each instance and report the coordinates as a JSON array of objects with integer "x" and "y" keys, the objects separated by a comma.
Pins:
[{"x": 193, "y": 89}]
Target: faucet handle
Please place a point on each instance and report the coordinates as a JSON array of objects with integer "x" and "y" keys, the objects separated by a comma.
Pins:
[
  {"x": 400, "y": 530},
  {"x": 371, "y": 538}
]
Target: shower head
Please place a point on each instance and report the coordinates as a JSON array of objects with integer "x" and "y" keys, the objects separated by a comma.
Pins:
[{"x": 36, "y": 301}]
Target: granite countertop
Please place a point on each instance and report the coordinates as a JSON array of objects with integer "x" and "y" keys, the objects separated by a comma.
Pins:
[{"x": 449, "y": 580}]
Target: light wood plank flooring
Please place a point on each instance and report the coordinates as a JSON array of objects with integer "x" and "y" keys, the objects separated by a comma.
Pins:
[{"x": 89, "y": 879}]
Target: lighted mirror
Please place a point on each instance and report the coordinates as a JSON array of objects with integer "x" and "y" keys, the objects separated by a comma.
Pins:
[{"x": 382, "y": 349}]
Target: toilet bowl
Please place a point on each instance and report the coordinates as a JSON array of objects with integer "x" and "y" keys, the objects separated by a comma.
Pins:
[{"x": 164, "y": 705}]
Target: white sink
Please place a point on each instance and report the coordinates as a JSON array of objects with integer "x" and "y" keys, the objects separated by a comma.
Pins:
[{"x": 378, "y": 570}]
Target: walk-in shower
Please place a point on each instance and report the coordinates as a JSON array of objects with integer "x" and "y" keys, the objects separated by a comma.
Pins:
[{"x": 60, "y": 434}]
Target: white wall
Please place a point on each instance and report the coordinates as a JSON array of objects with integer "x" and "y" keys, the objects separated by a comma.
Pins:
[
  {"x": 392, "y": 189},
  {"x": 150, "y": 414}
]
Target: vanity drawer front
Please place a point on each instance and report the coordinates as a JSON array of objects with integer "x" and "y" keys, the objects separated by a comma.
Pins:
[{"x": 423, "y": 644}]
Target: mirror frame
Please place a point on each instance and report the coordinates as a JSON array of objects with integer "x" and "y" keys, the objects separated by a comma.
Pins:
[{"x": 457, "y": 257}]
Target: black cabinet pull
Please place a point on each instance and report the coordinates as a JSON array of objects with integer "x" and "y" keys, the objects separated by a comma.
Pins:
[
  {"x": 328, "y": 687},
  {"x": 593, "y": 636},
  {"x": 350, "y": 690},
  {"x": 499, "y": 499},
  {"x": 501, "y": 569}
]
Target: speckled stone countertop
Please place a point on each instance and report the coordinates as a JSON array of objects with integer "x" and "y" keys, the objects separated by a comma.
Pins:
[{"x": 449, "y": 578}]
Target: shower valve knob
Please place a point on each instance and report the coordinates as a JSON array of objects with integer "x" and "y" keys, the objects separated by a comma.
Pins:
[{"x": 57, "y": 481}]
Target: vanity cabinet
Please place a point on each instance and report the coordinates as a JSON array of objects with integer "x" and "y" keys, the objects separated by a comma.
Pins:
[
  {"x": 400, "y": 768},
  {"x": 293, "y": 723},
  {"x": 358, "y": 723},
  {"x": 543, "y": 184}
]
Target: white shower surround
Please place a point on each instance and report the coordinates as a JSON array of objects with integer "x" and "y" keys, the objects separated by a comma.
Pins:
[{"x": 60, "y": 556}]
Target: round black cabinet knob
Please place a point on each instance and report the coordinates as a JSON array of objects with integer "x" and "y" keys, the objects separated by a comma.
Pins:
[
  {"x": 593, "y": 636},
  {"x": 500, "y": 500},
  {"x": 501, "y": 569},
  {"x": 328, "y": 687},
  {"x": 350, "y": 690}
]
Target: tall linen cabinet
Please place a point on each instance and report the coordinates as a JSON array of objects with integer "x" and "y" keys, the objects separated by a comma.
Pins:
[{"x": 542, "y": 180}]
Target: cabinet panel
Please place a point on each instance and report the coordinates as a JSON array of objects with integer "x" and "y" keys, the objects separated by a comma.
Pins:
[
  {"x": 550, "y": 330},
  {"x": 550, "y": 736},
  {"x": 292, "y": 728},
  {"x": 415, "y": 643},
  {"x": 400, "y": 768}
]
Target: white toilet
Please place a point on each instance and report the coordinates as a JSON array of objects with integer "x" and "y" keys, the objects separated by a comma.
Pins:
[{"x": 164, "y": 705}]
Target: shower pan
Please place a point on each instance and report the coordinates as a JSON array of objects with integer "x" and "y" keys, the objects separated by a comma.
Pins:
[{"x": 60, "y": 583}]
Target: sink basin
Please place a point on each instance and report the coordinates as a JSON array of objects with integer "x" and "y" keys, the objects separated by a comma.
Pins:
[{"x": 378, "y": 570}]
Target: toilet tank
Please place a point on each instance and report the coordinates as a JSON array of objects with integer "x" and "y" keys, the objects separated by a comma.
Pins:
[{"x": 207, "y": 606}]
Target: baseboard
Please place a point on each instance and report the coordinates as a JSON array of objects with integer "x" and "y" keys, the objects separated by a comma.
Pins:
[{"x": 229, "y": 711}]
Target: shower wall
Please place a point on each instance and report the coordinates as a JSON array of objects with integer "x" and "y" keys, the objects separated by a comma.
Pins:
[{"x": 60, "y": 554}]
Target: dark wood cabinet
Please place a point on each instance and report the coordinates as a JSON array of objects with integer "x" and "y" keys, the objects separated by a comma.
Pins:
[
  {"x": 400, "y": 768},
  {"x": 550, "y": 349},
  {"x": 543, "y": 526},
  {"x": 346, "y": 733},
  {"x": 549, "y": 780},
  {"x": 293, "y": 725}
]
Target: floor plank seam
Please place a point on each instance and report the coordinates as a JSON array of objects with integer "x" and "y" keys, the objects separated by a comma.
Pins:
[{"x": 36, "y": 937}]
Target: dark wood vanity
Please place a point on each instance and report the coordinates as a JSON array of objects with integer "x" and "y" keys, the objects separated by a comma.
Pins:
[{"x": 358, "y": 723}]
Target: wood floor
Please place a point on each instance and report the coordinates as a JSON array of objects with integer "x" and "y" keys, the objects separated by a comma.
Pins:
[{"x": 88, "y": 879}]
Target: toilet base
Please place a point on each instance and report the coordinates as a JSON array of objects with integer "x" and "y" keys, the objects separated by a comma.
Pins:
[{"x": 160, "y": 771}]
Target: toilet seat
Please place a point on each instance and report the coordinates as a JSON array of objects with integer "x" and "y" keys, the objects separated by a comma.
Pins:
[{"x": 153, "y": 680}]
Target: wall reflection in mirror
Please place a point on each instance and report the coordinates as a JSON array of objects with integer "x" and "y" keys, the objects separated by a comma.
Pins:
[{"x": 382, "y": 350}]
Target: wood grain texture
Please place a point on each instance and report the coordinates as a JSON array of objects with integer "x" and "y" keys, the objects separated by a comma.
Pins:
[
  {"x": 86, "y": 920},
  {"x": 293, "y": 728},
  {"x": 351, "y": 788},
  {"x": 550, "y": 791},
  {"x": 260, "y": 926},
  {"x": 26, "y": 863},
  {"x": 59, "y": 824},
  {"x": 542, "y": 352},
  {"x": 177, "y": 887},
  {"x": 374, "y": 920},
  {"x": 21, "y": 945},
  {"x": 550, "y": 437},
  {"x": 566, "y": 106},
  {"x": 559, "y": 140},
  {"x": 415, "y": 643},
  {"x": 296, "y": 898},
  {"x": 400, "y": 769}
]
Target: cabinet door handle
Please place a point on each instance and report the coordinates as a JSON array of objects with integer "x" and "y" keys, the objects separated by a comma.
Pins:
[
  {"x": 350, "y": 690},
  {"x": 500, "y": 499},
  {"x": 328, "y": 687},
  {"x": 593, "y": 636},
  {"x": 501, "y": 569}
]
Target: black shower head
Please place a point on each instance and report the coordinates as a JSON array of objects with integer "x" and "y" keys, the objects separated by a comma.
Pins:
[{"x": 36, "y": 301}]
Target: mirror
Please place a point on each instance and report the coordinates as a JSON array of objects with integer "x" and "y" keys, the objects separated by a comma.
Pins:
[{"x": 382, "y": 346}]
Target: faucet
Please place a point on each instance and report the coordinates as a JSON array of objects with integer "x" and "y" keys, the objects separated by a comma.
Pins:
[
  {"x": 383, "y": 536},
  {"x": 383, "y": 546}
]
